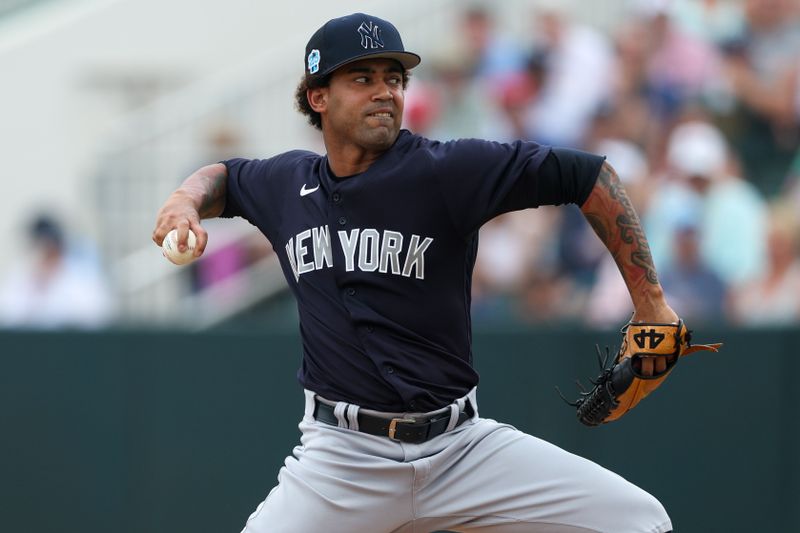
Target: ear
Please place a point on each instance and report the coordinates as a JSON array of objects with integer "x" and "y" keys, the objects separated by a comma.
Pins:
[{"x": 318, "y": 99}]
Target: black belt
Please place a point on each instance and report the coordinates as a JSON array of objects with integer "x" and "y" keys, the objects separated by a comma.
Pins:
[{"x": 413, "y": 430}]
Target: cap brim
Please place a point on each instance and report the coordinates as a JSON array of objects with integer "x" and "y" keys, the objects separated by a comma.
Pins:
[{"x": 409, "y": 60}]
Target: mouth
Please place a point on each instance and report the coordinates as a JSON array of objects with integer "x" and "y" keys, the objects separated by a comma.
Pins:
[{"x": 381, "y": 115}]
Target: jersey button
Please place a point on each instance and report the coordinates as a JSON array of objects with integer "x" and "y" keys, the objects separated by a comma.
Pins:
[
  {"x": 342, "y": 221},
  {"x": 412, "y": 406},
  {"x": 351, "y": 291},
  {"x": 370, "y": 329},
  {"x": 390, "y": 370},
  {"x": 336, "y": 197}
]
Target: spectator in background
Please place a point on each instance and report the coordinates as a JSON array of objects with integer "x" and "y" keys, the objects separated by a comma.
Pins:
[
  {"x": 422, "y": 107},
  {"x": 696, "y": 289},
  {"x": 460, "y": 101},
  {"x": 679, "y": 67},
  {"x": 702, "y": 183},
  {"x": 512, "y": 246},
  {"x": 576, "y": 80},
  {"x": 514, "y": 96},
  {"x": 55, "y": 286},
  {"x": 762, "y": 69},
  {"x": 491, "y": 56},
  {"x": 471, "y": 75},
  {"x": 547, "y": 297},
  {"x": 714, "y": 21},
  {"x": 626, "y": 115},
  {"x": 774, "y": 297}
]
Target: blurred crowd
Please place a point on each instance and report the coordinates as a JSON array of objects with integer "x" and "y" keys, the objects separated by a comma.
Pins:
[{"x": 695, "y": 103}]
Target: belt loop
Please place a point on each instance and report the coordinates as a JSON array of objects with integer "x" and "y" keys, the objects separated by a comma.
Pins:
[
  {"x": 352, "y": 416},
  {"x": 472, "y": 396},
  {"x": 310, "y": 401},
  {"x": 462, "y": 404},
  {"x": 339, "y": 413},
  {"x": 455, "y": 409}
]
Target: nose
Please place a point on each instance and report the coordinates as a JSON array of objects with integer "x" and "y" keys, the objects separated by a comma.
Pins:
[{"x": 383, "y": 91}]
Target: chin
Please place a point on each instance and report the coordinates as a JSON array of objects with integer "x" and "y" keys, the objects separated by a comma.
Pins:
[{"x": 381, "y": 137}]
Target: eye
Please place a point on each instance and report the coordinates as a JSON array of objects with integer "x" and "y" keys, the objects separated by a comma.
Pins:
[
  {"x": 361, "y": 79},
  {"x": 396, "y": 80}
]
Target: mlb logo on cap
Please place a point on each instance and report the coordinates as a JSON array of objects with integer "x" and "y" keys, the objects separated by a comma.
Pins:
[
  {"x": 353, "y": 37},
  {"x": 313, "y": 62}
]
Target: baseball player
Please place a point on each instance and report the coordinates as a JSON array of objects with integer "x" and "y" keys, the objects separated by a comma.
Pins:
[{"x": 377, "y": 240}]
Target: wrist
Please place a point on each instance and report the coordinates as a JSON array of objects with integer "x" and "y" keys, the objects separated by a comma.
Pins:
[{"x": 651, "y": 306}]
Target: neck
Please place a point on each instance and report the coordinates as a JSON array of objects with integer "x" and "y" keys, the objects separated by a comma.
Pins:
[
  {"x": 348, "y": 162},
  {"x": 347, "y": 158}
]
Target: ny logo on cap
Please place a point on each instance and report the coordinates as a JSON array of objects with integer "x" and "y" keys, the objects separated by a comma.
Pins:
[{"x": 370, "y": 35}]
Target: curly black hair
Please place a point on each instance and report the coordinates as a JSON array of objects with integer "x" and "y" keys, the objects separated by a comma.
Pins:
[{"x": 315, "y": 82}]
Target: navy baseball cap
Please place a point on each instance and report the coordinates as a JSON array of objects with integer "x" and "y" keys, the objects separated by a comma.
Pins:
[{"x": 357, "y": 36}]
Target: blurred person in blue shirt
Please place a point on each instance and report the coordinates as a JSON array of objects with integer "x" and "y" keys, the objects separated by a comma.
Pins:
[
  {"x": 702, "y": 182},
  {"x": 688, "y": 281},
  {"x": 492, "y": 55}
]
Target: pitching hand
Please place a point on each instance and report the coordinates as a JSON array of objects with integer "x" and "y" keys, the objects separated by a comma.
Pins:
[{"x": 179, "y": 212}]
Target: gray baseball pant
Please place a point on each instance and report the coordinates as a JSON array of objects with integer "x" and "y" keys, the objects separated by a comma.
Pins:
[{"x": 482, "y": 476}]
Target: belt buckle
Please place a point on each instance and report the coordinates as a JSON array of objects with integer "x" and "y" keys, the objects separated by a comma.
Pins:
[{"x": 393, "y": 425}]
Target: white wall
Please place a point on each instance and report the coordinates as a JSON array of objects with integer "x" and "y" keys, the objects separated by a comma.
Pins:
[
  {"x": 58, "y": 61},
  {"x": 53, "y": 115}
]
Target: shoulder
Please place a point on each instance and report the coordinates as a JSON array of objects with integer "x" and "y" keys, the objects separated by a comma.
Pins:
[
  {"x": 409, "y": 142},
  {"x": 290, "y": 157},
  {"x": 297, "y": 156},
  {"x": 278, "y": 163}
]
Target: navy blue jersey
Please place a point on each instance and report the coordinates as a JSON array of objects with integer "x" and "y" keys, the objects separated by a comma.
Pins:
[{"x": 381, "y": 263}]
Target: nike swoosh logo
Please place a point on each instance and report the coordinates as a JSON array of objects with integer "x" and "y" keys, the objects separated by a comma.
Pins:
[{"x": 304, "y": 191}]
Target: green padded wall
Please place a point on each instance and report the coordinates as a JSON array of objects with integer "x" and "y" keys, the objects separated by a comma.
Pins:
[{"x": 156, "y": 431}]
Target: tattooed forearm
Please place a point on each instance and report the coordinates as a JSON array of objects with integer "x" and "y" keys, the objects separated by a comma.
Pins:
[
  {"x": 610, "y": 213},
  {"x": 631, "y": 232}
]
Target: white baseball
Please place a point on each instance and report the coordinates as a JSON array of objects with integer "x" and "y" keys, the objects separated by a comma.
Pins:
[{"x": 170, "y": 248}]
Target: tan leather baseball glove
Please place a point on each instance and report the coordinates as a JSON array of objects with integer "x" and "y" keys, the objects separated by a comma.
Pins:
[{"x": 622, "y": 385}]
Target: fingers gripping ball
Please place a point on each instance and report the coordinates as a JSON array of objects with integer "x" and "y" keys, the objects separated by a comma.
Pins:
[
  {"x": 622, "y": 385},
  {"x": 170, "y": 248}
]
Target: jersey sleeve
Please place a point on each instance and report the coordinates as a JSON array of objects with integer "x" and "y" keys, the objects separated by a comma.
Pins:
[
  {"x": 481, "y": 179},
  {"x": 247, "y": 181}
]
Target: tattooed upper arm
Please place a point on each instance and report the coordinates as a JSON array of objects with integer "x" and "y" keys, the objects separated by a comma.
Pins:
[{"x": 213, "y": 189}]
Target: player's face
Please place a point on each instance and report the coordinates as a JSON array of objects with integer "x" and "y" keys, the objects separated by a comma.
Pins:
[{"x": 365, "y": 103}]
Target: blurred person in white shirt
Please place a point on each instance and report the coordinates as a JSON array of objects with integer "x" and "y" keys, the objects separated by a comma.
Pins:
[
  {"x": 773, "y": 299},
  {"x": 578, "y": 77},
  {"x": 54, "y": 286}
]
